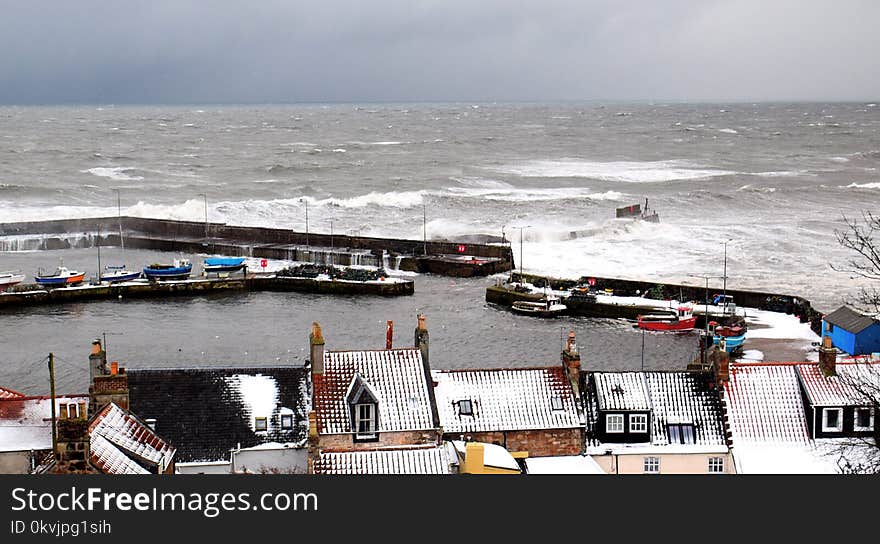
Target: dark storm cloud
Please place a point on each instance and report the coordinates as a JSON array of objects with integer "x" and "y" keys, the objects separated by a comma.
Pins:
[{"x": 169, "y": 51}]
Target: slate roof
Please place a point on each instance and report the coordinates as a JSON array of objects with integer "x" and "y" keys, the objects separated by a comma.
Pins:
[
  {"x": 430, "y": 460},
  {"x": 397, "y": 377},
  {"x": 671, "y": 398},
  {"x": 206, "y": 412},
  {"x": 764, "y": 404},
  {"x": 848, "y": 319},
  {"x": 25, "y": 421},
  {"x": 506, "y": 400},
  {"x": 122, "y": 444},
  {"x": 839, "y": 390}
]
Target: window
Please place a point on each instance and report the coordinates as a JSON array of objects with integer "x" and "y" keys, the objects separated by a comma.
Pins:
[
  {"x": 638, "y": 423},
  {"x": 465, "y": 408},
  {"x": 681, "y": 433},
  {"x": 864, "y": 419},
  {"x": 261, "y": 424},
  {"x": 716, "y": 465},
  {"x": 652, "y": 465},
  {"x": 614, "y": 423},
  {"x": 365, "y": 419},
  {"x": 287, "y": 421},
  {"x": 556, "y": 403},
  {"x": 829, "y": 327},
  {"x": 832, "y": 419},
  {"x": 72, "y": 410}
]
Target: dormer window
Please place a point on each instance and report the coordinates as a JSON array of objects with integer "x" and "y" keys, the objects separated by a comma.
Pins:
[
  {"x": 465, "y": 408},
  {"x": 365, "y": 419},
  {"x": 832, "y": 420},
  {"x": 614, "y": 423},
  {"x": 681, "y": 433},
  {"x": 638, "y": 423},
  {"x": 261, "y": 424},
  {"x": 864, "y": 419},
  {"x": 364, "y": 405},
  {"x": 556, "y": 404},
  {"x": 287, "y": 421}
]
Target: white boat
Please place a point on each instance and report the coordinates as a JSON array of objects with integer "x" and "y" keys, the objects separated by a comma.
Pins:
[
  {"x": 547, "y": 307},
  {"x": 8, "y": 279}
]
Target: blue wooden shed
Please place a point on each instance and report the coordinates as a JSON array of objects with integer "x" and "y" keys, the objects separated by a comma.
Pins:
[{"x": 852, "y": 331}]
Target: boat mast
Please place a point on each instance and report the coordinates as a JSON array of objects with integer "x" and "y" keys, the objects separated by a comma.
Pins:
[{"x": 119, "y": 215}]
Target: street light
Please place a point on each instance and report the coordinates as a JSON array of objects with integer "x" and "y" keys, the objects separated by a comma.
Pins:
[
  {"x": 706, "y": 299},
  {"x": 724, "y": 300},
  {"x": 306, "y": 202},
  {"x": 119, "y": 216}
]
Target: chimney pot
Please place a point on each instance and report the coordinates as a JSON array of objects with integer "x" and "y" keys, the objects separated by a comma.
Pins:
[
  {"x": 316, "y": 349},
  {"x": 389, "y": 334},
  {"x": 114, "y": 368}
]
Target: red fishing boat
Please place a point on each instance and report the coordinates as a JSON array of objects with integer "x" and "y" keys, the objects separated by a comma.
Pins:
[{"x": 682, "y": 320}]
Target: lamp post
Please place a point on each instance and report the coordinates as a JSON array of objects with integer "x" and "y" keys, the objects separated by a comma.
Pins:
[
  {"x": 306, "y": 202},
  {"x": 424, "y": 228},
  {"x": 724, "y": 300},
  {"x": 119, "y": 216},
  {"x": 706, "y": 299}
]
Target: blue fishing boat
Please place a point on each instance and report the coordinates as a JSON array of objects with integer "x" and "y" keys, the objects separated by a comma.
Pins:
[
  {"x": 61, "y": 276},
  {"x": 180, "y": 269},
  {"x": 116, "y": 274},
  {"x": 731, "y": 338},
  {"x": 224, "y": 264}
]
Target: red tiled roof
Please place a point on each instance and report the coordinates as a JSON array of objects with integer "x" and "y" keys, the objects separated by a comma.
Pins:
[
  {"x": 433, "y": 460},
  {"x": 839, "y": 390},
  {"x": 9, "y": 394},
  {"x": 396, "y": 376},
  {"x": 120, "y": 442},
  {"x": 506, "y": 400},
  {"x": 764, "y": 404}
]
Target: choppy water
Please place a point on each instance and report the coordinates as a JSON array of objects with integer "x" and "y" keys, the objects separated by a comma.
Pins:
[{"x": 775, "y": 179}]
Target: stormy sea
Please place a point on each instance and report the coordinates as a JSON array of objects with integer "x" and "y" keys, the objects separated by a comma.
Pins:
[{"x": 774, "y": 181}]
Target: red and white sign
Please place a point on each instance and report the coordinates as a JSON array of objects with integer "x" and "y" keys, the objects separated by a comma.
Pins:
[
  {"x": 263, "y": 263},
  {"x": 462, "y": 248},
  {"x": 591, "y": 281}
]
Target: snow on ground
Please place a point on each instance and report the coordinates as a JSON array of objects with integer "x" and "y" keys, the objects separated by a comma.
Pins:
[
  {"x": 766, "y": 324},
  {"x": 752, "y": 356}
]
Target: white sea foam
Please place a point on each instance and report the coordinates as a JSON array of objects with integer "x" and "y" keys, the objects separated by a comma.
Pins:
[
  {"x": 838, "y": 159},
  {"x": 875, "y": 185},
  {"x": 118, "y": 173},
  {"x": 402, "y": 199},
  {"x": 265, "y": 181},
  {"x": 781, "y": 174},
  {"x": 753, "y": 189},
  {"x": 728, "y": 131},
  {"x": 631, "y": 172}
]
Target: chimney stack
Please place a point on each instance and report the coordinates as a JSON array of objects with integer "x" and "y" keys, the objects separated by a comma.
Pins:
[
  {"x": 316, "y": 349},
  {"x": 97, "y": 361},
  {"x": 828, "y": 357},
  {"x": 721, "y": 362},
  {"x": 571, "y": 362},
  {"x": 114, "y": 368},
  {"x": 389, "y": 334},
  {"x": 421, "y": 338}
]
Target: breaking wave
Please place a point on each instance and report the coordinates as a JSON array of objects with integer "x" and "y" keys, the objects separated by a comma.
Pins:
[
  {"x": 874, "y": 185},
  {"x": 118, "y": 173},
  {"x": 622, "y": 171}
]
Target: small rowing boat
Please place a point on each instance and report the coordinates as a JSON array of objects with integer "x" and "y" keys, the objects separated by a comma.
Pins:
[
  {"x": 116, "y": 274},
  {"x": 223, "y": 264}
]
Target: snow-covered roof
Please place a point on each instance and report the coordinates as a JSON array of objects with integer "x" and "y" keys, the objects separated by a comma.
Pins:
[
  {"x": 764, "y": 404},
  {"x": 396, "y": 377},
  {"x": 414, "y": 460},
  {"x": 622, "y": 391},
  {"x": 206, "y": 412},
  {"x": 119, "y": 442},
  {"x": 493, "y": 455},
  {"x": 9, "y": 394},
  {"x": 766, "y": 458},
  {"x": 506, "y": 400},
  {"x": 842, "y": 389},
  {"x": 567, "y": 464},
  {"x": 25, "y": 423},
  {"x": 678, "y": 397}
]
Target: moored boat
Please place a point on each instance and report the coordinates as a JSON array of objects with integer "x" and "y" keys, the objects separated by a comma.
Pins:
[
  {"x": 116, "y": 274},
  {"x": 729, "y": 338},
  {"x": 179, "y": 269},
  {"x": 546, "y": 307},
  {"x": 682, "y": 319},
  {"x": 61, "y": 276},
  {"x": 223, "y": 264},
  {"x": 8, "y": 279}
]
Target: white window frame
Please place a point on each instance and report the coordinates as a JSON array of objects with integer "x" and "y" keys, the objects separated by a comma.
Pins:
[
  {"x": 653, "y": 463},
  {"x": 716, "y": 465},
  {"x": 369, "y": 419},
  {"x": 825, "y": 427},
  {"x": 284, "y": 419},
  {"x": 614, "y": 428},
  {"x": 256, "y": 426},
  {"x": 642, "y": 426},
  {"x": 856, "y": 426},
  {"x": 75, "y": 410}
]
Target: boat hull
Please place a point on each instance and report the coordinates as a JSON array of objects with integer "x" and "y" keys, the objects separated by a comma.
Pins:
[
  {"x": 119, "y": 277},
  {"x": 676, "y": 325},
  {"x": 731, "y": 343},
  {"x": 537, "y": 309},
  {"x": 170, "y": 273},
  {"x": 69, "y": 280}
]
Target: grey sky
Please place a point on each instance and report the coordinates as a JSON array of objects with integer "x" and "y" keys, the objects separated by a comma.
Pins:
[{"x": 169, "y": 51}]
